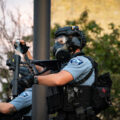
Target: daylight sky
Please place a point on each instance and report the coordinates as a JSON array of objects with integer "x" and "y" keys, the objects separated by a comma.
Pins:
[
  {"x": 26, "y": 10},
  {"x": 24, "y": 5}
]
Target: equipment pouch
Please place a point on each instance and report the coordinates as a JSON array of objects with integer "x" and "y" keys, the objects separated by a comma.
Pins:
[
  {"x": 100, "y": 99},
  {"x": 101, "y": 93}
]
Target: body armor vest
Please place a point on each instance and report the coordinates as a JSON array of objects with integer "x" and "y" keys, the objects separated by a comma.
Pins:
[
  {"x": 82, "y": 101},
  {"x": 76, "y": 96},
  {"x": 70, "y": 96}
]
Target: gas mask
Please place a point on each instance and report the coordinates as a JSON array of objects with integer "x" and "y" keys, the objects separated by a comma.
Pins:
[{"x": 60, "y": 50}]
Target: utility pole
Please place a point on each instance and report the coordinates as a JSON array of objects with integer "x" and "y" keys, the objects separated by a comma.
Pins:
[{"x": 41, "y": 50}]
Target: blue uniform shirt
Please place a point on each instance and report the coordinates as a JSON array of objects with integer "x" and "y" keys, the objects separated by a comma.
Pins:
[
  {"x": 23, "y": 100},
  {"x": 79, "y": 67}
]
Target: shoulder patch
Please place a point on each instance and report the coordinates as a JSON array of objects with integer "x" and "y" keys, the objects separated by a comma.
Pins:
[
  {"x": 76, "y": 61},
  {"x": 24, "y": 94}
]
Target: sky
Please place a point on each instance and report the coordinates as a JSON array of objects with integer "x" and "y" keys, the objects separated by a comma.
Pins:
[{"x": 25, "y": 7}]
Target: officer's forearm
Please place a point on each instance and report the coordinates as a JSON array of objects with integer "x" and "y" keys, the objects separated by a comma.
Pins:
[
  {"x": 7, "y": 108},
  {"x": 28, "y": 54},
  {"x": 39, "y": 68},
  {"x": 57, "y": 79}
]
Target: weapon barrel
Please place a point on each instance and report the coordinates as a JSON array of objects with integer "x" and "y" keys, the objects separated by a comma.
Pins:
[{"x": 16, "y": 75}]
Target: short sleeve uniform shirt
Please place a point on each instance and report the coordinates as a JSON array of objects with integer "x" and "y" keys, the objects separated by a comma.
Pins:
[
  {"x": 79, "y": 67},
  {"x": 23, "y": 100}
]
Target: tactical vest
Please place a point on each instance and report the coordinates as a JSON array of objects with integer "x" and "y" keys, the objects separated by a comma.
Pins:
[
  {"x": 70, "y": 96},
  {"x": 77, "y": 95},
  {"x": 74, "y": 97}
]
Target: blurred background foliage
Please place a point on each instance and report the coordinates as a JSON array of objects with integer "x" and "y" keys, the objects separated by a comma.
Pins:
[{"x": 104, "y": 47}]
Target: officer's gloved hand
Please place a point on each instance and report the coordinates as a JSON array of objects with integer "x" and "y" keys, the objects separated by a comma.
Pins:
[
  {"x": 21, "y": 46},
  {"x": 21, "y": 86},
  {"x": 27, "y": 81}
]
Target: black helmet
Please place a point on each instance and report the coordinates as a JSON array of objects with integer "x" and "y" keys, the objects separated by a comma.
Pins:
[{"x": 76, "y": 38}]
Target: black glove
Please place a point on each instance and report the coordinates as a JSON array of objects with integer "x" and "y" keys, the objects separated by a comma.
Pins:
[
  {"x": 21, "y": 87},
  {"x": 27, "y": 81},
  {"x": 23, "y": 48},
  {"x": 23, "y": 82}
]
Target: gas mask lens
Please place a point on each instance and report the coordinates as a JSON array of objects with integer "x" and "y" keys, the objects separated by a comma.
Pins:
[
  {"x": 61, "y": 39},
  {"x": 60, "y": 50}
]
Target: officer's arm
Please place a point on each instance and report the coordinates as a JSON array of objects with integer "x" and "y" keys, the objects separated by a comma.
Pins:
[
  {"x": 57, "y": 79},
  {"x": 7, "y": 108},
  {"x": 28, "y": 54},
  {"x": 39, "y": 68}
]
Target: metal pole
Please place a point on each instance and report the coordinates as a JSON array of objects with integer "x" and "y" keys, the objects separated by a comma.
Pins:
[{"x": 41, "y": 50}]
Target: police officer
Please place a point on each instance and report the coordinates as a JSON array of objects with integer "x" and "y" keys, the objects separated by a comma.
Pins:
[
  {"x": 69, "y": 42},
  {"x": 77, "y": 75}
]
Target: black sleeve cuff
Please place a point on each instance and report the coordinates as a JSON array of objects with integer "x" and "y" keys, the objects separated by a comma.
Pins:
[{"x": 35, "y": 80}]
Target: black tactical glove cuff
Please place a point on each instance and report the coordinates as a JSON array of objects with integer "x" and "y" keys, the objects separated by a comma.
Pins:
[
  {"x": 35, "y": 80},
  {"x": 24, "y": 48},
  {"x": 28, "y": 81}
]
